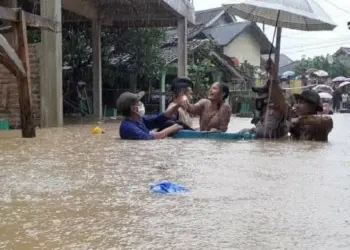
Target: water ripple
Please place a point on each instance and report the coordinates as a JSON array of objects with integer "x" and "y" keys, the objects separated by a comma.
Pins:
[{"x": 67, "y": 189}]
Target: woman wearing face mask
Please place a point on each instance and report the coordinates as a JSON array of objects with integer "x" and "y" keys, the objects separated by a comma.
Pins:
[
  {"x": 214, "y": 114},
  {"x": 136, "y": 126}
]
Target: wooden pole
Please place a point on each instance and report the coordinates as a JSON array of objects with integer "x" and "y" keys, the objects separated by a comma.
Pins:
[
  {"x": 10, "y": 59},
  {"x": 162, "y": 90},
  {"x": 278, "y": 50},
  {"x": 97, "y": 69},
  {"x": 32, "y": 20},
  {"x": 24, "y": 83},
  {"x": 51, "y": 98},
  {"x": 182, "y": 47}
]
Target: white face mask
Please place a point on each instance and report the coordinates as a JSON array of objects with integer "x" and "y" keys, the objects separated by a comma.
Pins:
[{"x": 141, "y": 110}]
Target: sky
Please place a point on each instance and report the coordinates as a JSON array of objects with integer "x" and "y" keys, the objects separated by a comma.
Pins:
[{"x": 297, "y": 44}]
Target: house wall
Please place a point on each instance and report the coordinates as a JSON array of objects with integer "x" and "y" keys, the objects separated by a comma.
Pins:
[
  {"x": 9, "y": 104},
  {"x": 245, "y": 48}
]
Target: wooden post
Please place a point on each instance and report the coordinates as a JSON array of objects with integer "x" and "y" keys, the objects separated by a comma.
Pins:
[
  {"x": 9, "y": 57},
  {"x": 24, "y": 83},
  {"x": 97, "y": 69},
  {"x": 162, "y": 90},
  {"x": 51, "y": 97},
  {"x": 9, "y": 35},
  {"x": 278, "y": 50},
  {"x": 182, "y": 46}
]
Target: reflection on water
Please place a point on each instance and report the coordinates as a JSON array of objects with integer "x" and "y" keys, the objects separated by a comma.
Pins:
[{"x": 68, "y": 189}]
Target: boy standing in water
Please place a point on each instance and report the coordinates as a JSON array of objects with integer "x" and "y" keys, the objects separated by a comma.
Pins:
[{"x": 181, "y": 88}]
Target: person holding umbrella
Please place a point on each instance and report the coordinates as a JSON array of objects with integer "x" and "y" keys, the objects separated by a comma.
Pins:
[
  {"x": 306, "y": 15},
  {"x": 302, "y": 118}
]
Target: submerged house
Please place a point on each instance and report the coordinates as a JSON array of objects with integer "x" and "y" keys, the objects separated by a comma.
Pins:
[{"x": 235, "y": 43}]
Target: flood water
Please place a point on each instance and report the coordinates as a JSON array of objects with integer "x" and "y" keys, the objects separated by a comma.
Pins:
[{"x": 67, "y": 189}]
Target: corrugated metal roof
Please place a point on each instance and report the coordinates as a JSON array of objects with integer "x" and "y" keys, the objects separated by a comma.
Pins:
[
  {"x": 284, "y": 60},
  {"x": 171, "y": 34},
  {"x": 225, "y": 34},
  {"x": 169, "y": 53},
  {"x": 346, "y": 50},
  {"x": 205, "y": 16}
]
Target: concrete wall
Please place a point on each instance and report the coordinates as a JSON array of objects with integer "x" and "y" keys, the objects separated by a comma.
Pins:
[
  {"x": 9, "y": 90},
  {"x": 245, "y": 48}
]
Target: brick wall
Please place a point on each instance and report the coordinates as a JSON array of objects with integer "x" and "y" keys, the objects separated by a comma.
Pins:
[{"x": 9, "y": 104}]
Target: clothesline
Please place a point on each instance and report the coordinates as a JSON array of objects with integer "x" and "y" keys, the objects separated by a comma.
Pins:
[{"x": 301, "y": 87}]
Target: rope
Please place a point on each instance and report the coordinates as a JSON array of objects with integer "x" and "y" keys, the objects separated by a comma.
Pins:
[{"x": 301, "y": 87}]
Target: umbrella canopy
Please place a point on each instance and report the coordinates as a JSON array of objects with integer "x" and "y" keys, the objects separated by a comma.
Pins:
[
  {"x": 323, "y": 88},
  {"x": 325, "y": 95},
  {"x": 293, "y": 14},
  {"x": 310, "y": 71},
  {"x": 343, "y": 84},
  {"x": 288, "y": 74},
  {"x": 339, "y": 79},
  {"x": 320, "y": 73}
]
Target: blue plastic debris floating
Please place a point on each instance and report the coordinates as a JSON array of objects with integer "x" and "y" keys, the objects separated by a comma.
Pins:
[
  {"x": 187, "y": 134},
  {"x": 167, "y": 187}
]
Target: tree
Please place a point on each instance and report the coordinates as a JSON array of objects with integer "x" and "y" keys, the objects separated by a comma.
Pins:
[
  {"x": 123, "y": 50},
  {"x": 320, "y": 62},
  {"x": 199, "y": 63}
]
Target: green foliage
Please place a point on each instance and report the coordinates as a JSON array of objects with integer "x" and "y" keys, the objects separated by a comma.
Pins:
[
  {"x": 123, "y": 50},
  {"x": 33, "y": 36},
  {"x": 320, "y": 62},
  {"x": 77, "y": 46},
  {"x": 199, "y": 64},
  {"x": 248, "y": 70},
  {"x": 144, "y": 49}
]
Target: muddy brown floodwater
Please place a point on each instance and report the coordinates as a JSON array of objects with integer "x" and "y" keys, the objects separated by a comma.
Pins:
[{"x": 67, "y": 189}]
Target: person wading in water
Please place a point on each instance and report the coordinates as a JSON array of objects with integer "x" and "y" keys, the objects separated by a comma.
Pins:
[
  {"x": 303, "y": 119},
  {"x": 181, "y": 88},
  {"x": 214, "y": 114}
]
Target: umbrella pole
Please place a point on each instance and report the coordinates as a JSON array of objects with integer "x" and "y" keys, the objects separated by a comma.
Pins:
[{"x": 278, "y": 49}]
